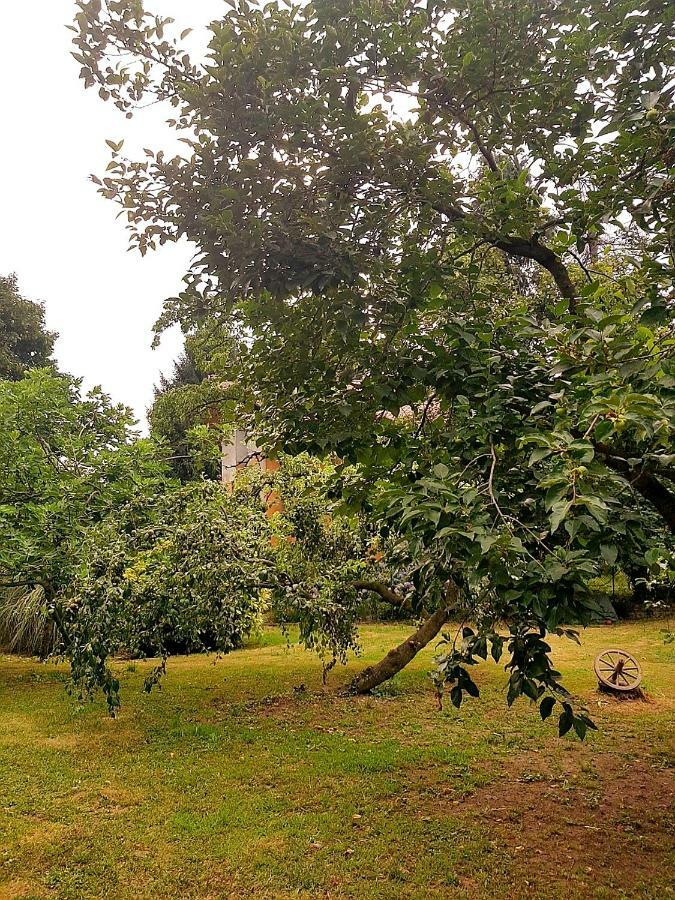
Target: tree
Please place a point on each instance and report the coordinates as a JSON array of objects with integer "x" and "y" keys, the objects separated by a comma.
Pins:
[
  {"x": 193, "y": 409},
  {"x": 422, "y": 207},
  {"x": 199, "y": 565},
  {"x": 25, "y": 342},
  {"x": 67, "y": 461},
  {"x": 177, "y": 407}
]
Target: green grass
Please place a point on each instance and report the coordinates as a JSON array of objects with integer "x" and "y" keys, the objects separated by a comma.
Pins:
[{"x": 227, "y": 782}]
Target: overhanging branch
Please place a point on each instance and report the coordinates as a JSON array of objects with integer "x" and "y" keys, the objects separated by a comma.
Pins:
[
  {"x": 384, "y": 592},
  {"x": 526, "y": 248},
  {"x": 645, "y": 483}
]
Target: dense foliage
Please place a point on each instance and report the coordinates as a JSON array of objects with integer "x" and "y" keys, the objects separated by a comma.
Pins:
[
  {"x": 193, "y": 408},
  {"x": 25, "y": 342},
  {"x": 200, "y": 566},
  {"x": 447, "y": 229},
  {"x": 67, "y": 460},
  {"x": 102, "y": 552}
]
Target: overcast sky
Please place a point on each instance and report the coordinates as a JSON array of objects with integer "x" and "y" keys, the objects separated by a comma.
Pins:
[{"x": 60, "y": 237}]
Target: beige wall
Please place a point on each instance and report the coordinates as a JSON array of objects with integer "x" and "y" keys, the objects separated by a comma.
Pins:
[{"x": 235, "y": 453}]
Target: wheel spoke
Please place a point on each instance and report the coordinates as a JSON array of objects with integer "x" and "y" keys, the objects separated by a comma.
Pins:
[{"x": 618, "y": 670}]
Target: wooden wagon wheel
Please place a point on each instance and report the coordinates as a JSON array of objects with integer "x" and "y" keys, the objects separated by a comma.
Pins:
[{"x": 617, "y": 670}]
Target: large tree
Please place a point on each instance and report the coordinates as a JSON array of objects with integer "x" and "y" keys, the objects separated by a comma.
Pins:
[
  {"x": 198, "y": 566},
  {"x": 461, "y": 210},
  {"x": 25, "y": 342},
  {"x": 183, "y": 401},
  {"x": 68, "y": 459}
]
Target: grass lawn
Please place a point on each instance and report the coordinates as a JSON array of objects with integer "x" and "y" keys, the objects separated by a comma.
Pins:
[{"x": 233, "y": 781}]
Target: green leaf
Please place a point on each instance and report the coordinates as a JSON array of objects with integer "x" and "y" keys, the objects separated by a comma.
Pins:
[
  {"x": 558, "y": 513},
  {"x": 538, "y": 454},
  {"x": 546, "y": 707},
  {"x": 565, "y": 722},
  {"x": 579, "y": 727},
  {"x": 603, "y": 430}
]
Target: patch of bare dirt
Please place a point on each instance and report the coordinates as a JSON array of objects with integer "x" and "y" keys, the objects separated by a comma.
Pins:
[
  {"x": 600, "y": 821},
  {"x": 632, "y": 703}
]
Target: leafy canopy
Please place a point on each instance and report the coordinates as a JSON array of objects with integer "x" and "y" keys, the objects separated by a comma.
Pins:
[
  {"x": 200, "y": 565},
  {"x": 25, "y": 342},
  {"x": 67, "y": 460},
  {"x": 446, "y": 229}
]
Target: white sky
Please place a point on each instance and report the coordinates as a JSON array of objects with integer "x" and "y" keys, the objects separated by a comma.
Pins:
[{"x": 60, "y": 237}]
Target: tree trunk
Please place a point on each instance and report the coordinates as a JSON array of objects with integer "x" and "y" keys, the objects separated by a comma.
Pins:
[
  {"x": 646, "y": 484},
  {"x": 658, "y": 494},
  {"x": 400, "y": 656}
]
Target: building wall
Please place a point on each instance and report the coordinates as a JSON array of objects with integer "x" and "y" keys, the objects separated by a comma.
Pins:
[
  {"x": 235, "y": 454},
  {"x": 239, "y": 452}
]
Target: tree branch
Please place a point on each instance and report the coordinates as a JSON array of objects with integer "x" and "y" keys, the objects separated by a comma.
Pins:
[
  {"x": 383, "y": 591},
  {"x": 484, "y": 150},
  {"x": 527, "y": 248},
  {"x": 400, "y": 656},
  {"x": 532, "y": 249},
  {"x": 645, "y": 483}
]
